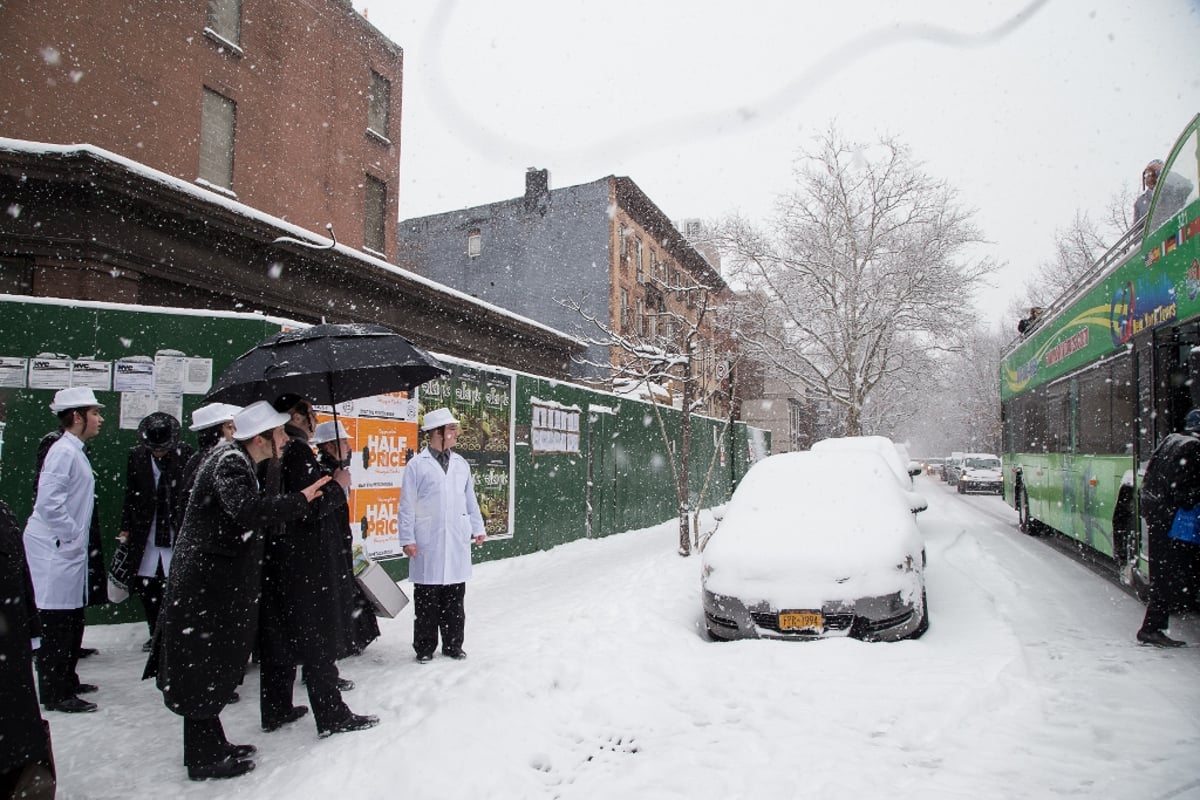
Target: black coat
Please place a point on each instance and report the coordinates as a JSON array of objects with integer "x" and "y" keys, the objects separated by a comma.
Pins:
[
  {"x": 209, "y": 614},
  {"x": 22, "y": 734},
  {"x": 365, "y": 626},
  {"x": 309, "y": 594},
  {"x": 1172, "y": 479},
  {"x": 141, "y": 494}
]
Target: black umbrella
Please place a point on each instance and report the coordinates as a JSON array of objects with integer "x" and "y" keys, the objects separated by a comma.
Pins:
[{"x": 327, "y": 364}]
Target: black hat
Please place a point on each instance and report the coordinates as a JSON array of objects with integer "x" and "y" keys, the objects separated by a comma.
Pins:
[
  {"x": 158, "y": 431},
  {"x": 286, "y": 402}
]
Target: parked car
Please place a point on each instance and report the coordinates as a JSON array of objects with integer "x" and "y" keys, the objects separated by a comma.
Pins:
[
  {"x": 894, "y": 456},
  {"x": 816, "y": 545},
  {"x": 981, "y": 472}
]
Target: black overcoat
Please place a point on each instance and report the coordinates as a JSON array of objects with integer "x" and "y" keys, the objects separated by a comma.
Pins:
[
  {"x": 309, "y": 594},
  {"x": 141, "y": 493},
  {"x": 364, "y": 626},
  {"x": 1172, "y": 479},
  {"x": 209, "y": 615},
  {"x": 22, "y": 734}
]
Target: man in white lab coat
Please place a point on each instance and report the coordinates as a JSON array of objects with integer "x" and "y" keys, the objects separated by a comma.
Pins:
[
  {"x": 56, "y": 549},
  {"x": 438, "y": 520}
]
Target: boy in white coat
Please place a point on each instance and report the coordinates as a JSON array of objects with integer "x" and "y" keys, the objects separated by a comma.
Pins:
[
  {"x": 438, "y": 520},
  {"x": 56, "y": 549}
]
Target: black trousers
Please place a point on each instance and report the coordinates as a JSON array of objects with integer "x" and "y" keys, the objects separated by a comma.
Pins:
[
  {"x": 204, "y": 741},
  {"x": 438, "y": 608},
  {"x": 1163, "y": 568},
  {"x": 150, "y": 592},
  {"x": 276, "y": 682},
  {"x": 56, "y": 659}
]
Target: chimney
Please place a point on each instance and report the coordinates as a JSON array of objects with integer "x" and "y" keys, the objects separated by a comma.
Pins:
[{"x": 537, "y": 189}]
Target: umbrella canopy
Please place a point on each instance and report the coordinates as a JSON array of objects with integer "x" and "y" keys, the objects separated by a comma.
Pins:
[{"x": 328, "y": 364}]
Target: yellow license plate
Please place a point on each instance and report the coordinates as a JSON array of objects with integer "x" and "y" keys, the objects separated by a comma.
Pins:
[{"x": 801, "y": 620}]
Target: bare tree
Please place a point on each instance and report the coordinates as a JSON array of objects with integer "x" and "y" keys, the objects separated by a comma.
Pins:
[
  {"x": 663, "y": 357},
  {"x": 1077, "y": 247},
  {"x": 863, "y": 268}
]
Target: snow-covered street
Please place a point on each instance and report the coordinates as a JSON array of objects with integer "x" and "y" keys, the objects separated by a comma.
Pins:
[{"x": 589, "y": 677}]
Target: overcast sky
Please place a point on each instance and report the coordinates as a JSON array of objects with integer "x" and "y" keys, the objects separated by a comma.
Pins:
[{"x": 1032, "y": 109}]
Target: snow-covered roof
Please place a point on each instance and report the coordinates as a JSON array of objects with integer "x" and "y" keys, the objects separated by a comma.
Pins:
[{"x": 214, "y": 198}]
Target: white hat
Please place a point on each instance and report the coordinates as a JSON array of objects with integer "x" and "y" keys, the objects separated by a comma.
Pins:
[
  {"x": 212, "y": 414},
  {"x": 257, "y": 418},
  {"x": 437, "y": 418},
  {"x": 75, "y": 397},
  {"x": 326, "y": 432}
]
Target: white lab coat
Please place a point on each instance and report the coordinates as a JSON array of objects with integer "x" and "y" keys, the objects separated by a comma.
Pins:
[
  {"x": 440, "y": 514},
  {"x": 56, "y": 536}
]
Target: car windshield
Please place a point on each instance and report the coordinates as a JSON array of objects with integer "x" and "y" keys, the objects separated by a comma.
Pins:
[{"x": 983, "y": 463}]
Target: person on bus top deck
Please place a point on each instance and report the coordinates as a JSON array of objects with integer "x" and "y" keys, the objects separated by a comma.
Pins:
[
  {"x": 1175, "y": 192},
  {"x": 1171, "y": 483}
]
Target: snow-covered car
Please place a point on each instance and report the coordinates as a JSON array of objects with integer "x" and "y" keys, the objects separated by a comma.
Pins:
[
  {"x": 893, "y": 455},
  {"x": 816, "y": 545},
  {"x": 981, "y": 472}
]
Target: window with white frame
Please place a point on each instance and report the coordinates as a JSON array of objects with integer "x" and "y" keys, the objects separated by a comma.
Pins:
[
  {"x": 474, "y": 243},
  {"x": 375, "y": 214},
  {"x": 218, "y": 122},
  {"x": 225, "y": 20},
  {"x": 379, "y": 104}
]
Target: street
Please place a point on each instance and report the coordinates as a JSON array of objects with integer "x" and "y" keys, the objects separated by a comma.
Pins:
[{"x": 589, "y": 677}]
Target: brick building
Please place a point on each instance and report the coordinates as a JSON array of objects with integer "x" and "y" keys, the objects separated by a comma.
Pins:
[
  {"x": 603, "y": 243},
  {"x": 178, "y": 152}
]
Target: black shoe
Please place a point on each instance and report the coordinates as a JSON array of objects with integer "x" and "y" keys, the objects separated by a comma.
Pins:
[
  {"x": 233, "y": 698},
  {"x": 86, "y": 688},
  {"x": 354, "y": 722},
  {"x": 1158, "y": 638},
  {"x": 85, "y": 652},
  {"x": 239, "y": 751},
  {"x": 72, "y": 705},
  {"x": 148, "y": 645},
  {"x": 344, "y": 684},
  {"x": 289, "y": 717},
  {"x": 227, "y": 768},
  {"x": 457, "y": 655},
  {"x": 424, "y": 658}
]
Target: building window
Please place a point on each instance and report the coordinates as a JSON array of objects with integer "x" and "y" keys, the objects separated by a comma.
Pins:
[
  {"x": 639, "y": 265},
  {"x": 624, "y": 326},
  {"x": 375, "y": 214},
  {"x": 624, "y": 243},
  {"x": 474, "y": 243},
  {"x": 641, "y": 318},
  {"x": 379, "y": 104},
  {"x": 218, "y": 121},
  {"x": 225, "y": 20}
]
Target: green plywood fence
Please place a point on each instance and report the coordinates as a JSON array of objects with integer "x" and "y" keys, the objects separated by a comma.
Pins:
[
  {"x": 619, "y": 472},
  {"x": 104, "y": 332}
]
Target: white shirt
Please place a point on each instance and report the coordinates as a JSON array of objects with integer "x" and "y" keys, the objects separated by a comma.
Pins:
[{"x": 56, "y": 536}]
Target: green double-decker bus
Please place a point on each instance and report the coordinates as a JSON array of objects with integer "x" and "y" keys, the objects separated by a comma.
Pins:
[{"x": 1105, "y": 373}]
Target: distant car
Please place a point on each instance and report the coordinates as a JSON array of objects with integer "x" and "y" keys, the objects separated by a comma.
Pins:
[
  {"x": 981, "y": 472},
  {"x": 952, "y": 468},
  {"x": 894, "y": 456},
  {"x": 816, "y": 545},
  {"x": 933, "y": 466}
]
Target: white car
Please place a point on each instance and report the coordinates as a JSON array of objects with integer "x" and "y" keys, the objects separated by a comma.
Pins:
[
  {"x": 898, "y": 462},
  {"x": 816, "y": 545},
  {"x": 981, "y": 472}
]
